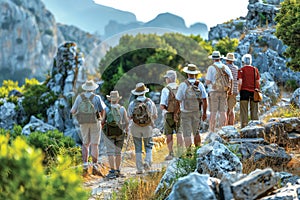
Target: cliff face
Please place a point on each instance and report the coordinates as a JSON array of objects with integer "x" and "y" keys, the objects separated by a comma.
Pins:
[{"x": 29, "y": 37}]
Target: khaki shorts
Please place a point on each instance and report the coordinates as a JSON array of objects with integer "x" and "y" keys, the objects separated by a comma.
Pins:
[
  {"x": 90, "y": 133},
  {"x": 170, "y": 125},
  {"x": 114, "y": 144},
  {"x": 217, "y": 101},
  {"x": 190, "y": 122},
  {"x": 231, "y": 101}
]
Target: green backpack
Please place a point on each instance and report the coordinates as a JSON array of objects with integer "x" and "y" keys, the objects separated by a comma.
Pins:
[
  {"x": 114, "y": 117},
  {"x": 86, "y": 112}
]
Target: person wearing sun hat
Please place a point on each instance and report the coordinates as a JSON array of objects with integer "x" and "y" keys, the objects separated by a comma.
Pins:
[
  {"x": 142, "y": 133},
  {"x": 231, "y": 99},
  {"x": 217, "y": 95},
  {"x": 90, "y": 132},
  {"x": 115, "y": 135},
  {"x": 171, "y": 126},
  {"x": 190, "y": 118}
]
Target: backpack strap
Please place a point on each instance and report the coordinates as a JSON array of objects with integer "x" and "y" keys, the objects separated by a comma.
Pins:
[
  {"x": 91, "y": 97},
  {"x": 171, "y": 91}
]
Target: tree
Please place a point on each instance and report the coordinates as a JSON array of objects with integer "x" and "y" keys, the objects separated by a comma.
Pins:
[
  {"x": 226, "y": 45},
  {"x": 288, "y": 29},
  {"x": 145, "y": 57}
]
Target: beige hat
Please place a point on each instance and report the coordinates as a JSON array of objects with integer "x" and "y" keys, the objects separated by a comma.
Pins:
[
  {"x": 191, "y": 69},
  {"x": 215, "y": 55},
  {"x": 140, "y": 89},
  {"x": 230, "y": 56},
  {"x": 114, "y": 96},
  {"x": 90, "y": 85},
  {"x": 171, "y": 74}
]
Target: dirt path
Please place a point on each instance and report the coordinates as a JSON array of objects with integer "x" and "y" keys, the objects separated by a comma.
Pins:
[{"x": 102, "y": 188}]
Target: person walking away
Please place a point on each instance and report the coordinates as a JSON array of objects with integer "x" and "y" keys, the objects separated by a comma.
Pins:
[
  {"x": 170, "y": 107},
  {"x": 142, "y": 111},
  {"x": 88, "y": 110},
  {"x": 115, "y": 127},
  {"x": 192, "y": 96},
  {"x": 231, "y": 99},
  {"x": 248, "y": 77},
  {"x": 219, "y": 81}
]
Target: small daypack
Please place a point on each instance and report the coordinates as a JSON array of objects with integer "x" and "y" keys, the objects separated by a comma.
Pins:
[
  {"x": 193, "y": 100},
  {"x": 114, "y": 117},
  {"x": 173, "y": 104},
  {"x": 222, "y": 80},
  {"x": 114, "y": 122},
  {"x": 86, "y": 112},
  {"x": 141, "y": 114}
]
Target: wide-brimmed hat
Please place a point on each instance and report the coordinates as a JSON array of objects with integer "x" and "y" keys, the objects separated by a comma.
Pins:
[
  {"x": 113, "y": 96},
  {"x": 191, "y": 69},
  {"x": 90, "y": 85},
  {"x": 230, "y": 57},
  {"x": 171, "y": 74},
  {"x": 140, "y": 89},
  {"x": 215, "y": 55}
]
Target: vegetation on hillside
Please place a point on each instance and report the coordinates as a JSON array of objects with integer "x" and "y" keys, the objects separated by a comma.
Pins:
[{"x": 288, "y": 29}]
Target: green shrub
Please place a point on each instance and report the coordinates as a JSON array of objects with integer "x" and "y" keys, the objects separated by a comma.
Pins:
[
  {"x": 22, "y": 175},
  {"x": 37, "y": 99},
  {"x": 51, "y": 144}
]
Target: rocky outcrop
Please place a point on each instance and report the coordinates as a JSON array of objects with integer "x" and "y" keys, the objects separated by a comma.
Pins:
[
  {"x": 255, "y": 33},
  {"x": 30, "y": 36}
]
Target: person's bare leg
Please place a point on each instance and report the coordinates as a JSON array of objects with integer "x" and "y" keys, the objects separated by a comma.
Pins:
[
  {"x": 111, "y": 161},
  {"x": 170, "y": 143},
  {"x": 85, "y": 152},
  {"x": 118, "y": 161},
  {"x": 197, "y": 140},
  {"x": 212, "y": 121},
  {"x": 95, "y": 152},
  {"x": 188, "y": 142},
  {"x": 223, "y": 119}
]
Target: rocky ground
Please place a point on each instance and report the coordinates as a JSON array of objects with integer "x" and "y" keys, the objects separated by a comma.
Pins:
[{"x": 102, "y": 188}]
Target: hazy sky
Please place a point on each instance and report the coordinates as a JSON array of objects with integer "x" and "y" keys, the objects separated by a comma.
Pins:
[{"x": 211, "y": 12}]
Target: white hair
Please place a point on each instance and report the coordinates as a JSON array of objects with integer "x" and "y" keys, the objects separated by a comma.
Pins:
[{"x": 247, "y": 59}]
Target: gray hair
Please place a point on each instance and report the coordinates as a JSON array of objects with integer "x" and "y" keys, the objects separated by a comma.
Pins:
[{"x": 247, "y": 59}]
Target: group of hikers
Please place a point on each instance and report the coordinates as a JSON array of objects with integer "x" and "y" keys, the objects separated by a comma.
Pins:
[{"x": 183, "y": 107}]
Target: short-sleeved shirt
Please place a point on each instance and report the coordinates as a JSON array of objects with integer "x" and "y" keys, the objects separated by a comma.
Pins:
[
  {"x": 96, "y": 101},
  {"x": 234, "y": 70},
  {"x": 211, "y": 74},
  {"x": 181, "y": 92},
  {"x": 150, "y": 104},
  {"x": 246, "y": 73},
  {"x": 165, "y": 94}
]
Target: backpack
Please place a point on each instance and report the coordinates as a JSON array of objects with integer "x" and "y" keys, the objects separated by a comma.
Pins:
[
  {"x": 141, "y": 114},
  {"x": 114, "y": 122},
  {"x": 86, "y": 112},
  {"x": 193, "y": 100},
  {"x": 222, "y": 80},
  {"x": 114, "y": 117},
  {"x": 173, "y": 104}
]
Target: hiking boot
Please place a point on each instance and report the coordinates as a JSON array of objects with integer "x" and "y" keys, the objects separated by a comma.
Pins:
[
  {"x": 169, "y": 157},
  {"x": 111, "y": 174},
  {"x": 139, "y": 172},
  {"x": 118, "y": 174},
  {"x": 147, "y": 166},
  {"x": 96, "y": 170}
]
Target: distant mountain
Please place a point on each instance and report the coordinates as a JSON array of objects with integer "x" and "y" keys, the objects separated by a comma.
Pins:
[
  {"x": 107, "y": 21},
  {"x": 86, "y": 14},
  {"x": 165, "y": 22}
]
